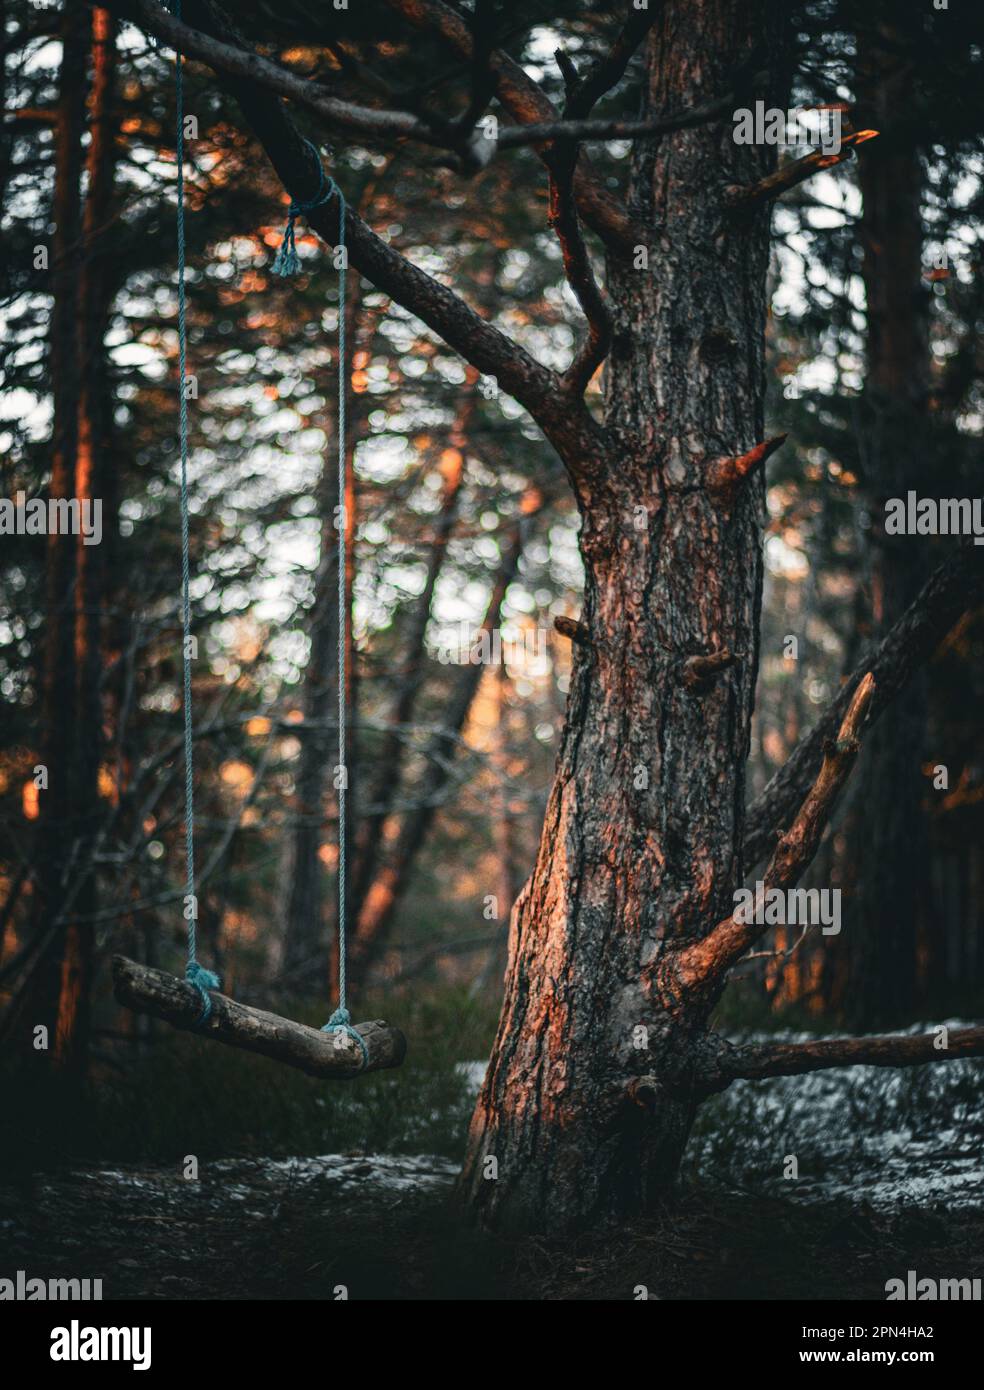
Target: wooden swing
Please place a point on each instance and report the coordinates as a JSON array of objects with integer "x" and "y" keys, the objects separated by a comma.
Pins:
[
  {"x": 339, "y": 1050},
  {"x": 335, "y": 1054}
]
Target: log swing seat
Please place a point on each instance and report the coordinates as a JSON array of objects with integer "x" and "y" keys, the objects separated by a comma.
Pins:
[
  {"x": 333, "y": 1054},
  {"x": 339, "y": 1050}
]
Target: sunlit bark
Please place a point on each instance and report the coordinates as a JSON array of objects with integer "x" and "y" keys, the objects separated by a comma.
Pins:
[{"x": 642, "y": 838}]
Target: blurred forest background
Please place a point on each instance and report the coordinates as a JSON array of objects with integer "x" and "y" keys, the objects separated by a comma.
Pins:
[{"x": 459, "y": 520}]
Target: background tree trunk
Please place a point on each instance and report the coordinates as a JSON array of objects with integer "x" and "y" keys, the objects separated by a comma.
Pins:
[
  {"x": 58, "y": 824},
  {"x": 888, "y": 832},
  {"x": 642, "y": 836},
  {"x": 306, "y": 928},
  {"x": 94, "y": 429},
  {"x": 389, "y": 761},
  {"x": 392, "y": 880}
]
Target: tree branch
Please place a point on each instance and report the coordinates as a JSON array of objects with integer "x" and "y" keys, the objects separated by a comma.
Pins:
[
  {"x": 572, "y": 431},
  {"x": 243, "y": 63},
  {"x": 796, "y": 171},
  {"x": 527, "y": 104},
  {"x": 953, "y": 588},
  {"x": 614, "y": 127},
  {"x": 562, "y": 162},
  {"x": 580, "y": 276},
  {"x": 383, "y": 125},
  {"x": 483, "y": 83},
  {"x": 724, "y": 476},
  {"x": 573, "y": 630},
  {"x": 699, "y": 672},
  {"x": 754, "y": 1062},
  {"x": 709, "y": 958},
  {"x": 609, "y": 70}
]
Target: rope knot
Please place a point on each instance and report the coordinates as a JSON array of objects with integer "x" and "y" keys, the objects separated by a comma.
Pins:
[
  {"x": 203, "y": 980},
  {"x": 341, "y": 1022},
  {"x": 287, "y": 261}
]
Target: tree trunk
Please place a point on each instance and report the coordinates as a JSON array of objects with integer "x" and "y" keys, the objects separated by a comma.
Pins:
[
  {"x": 508, "y": 852},
  {"x": 94, "y": 427},
  {"x": 57, "y": 822},
  {"x": 305, "y": 927},
  {"x": 390, "y": 758},
  {"x": 391, "y": 882},
  {"x": 642, "y": 837},
  {"x": 890, "y": 848}
]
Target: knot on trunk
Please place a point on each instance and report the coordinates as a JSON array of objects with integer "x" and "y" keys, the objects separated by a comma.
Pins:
[
  {"x": 645, "y": 1091},
  {"x": 724, "y": 477},
  {"x": 699, "y": 672},
  {"x": 692, "y": 1069},
  {"x": 574, "y": 631}
]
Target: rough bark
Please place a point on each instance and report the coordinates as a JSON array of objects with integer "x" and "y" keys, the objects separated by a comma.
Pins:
[
  {"x": 335, "y": 1056},
  {"x": 672, "y": 570}
]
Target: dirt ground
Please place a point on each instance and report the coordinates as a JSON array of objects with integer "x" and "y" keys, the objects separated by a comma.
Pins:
[{"x": 261, "y": 1230}]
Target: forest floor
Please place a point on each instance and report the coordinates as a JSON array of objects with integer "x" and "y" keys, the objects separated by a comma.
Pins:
[
  {"x": 386, "y": 1229},
  {"x": 888, "y": 1178}
]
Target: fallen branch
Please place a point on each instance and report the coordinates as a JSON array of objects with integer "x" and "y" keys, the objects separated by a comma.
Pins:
[{"x": 335, "y": 1055}]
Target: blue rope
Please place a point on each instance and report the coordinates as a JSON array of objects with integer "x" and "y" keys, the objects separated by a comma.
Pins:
[
  {"x": 195, "y": 973},
  {"x": 287, "y": 263},
  {"x": 340, "y": 1020}
]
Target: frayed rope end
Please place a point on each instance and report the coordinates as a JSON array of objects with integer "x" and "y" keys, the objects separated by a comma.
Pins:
[{"x": 287, "y": 263}]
